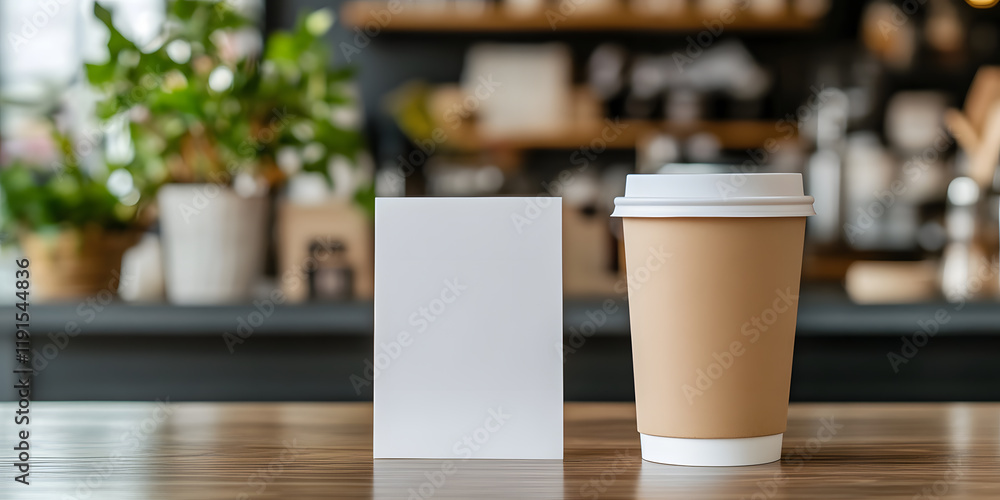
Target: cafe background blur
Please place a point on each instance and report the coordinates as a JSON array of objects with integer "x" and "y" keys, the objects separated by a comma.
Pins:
[{"x": 889, "y": 110}]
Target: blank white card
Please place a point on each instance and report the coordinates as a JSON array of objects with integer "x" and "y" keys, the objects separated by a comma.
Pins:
[{"x": 468, "y": 328}]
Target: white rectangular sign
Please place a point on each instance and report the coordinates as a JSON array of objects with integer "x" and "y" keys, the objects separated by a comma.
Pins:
[{"x": 468, "y": 328}]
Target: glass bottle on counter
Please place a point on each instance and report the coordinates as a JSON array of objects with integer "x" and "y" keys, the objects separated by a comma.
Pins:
[{"x": 332, "y": 277}]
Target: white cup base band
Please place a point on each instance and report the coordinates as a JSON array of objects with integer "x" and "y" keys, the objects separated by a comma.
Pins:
[{"x": 711, "y": 452}]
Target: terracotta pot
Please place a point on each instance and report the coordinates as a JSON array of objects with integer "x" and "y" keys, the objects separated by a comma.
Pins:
[{"x": 76, "y": 263}]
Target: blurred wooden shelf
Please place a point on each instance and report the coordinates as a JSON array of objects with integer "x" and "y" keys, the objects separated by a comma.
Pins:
[
  {"x": 447, "y": 18},
  {"x": 735, "y": 134}
]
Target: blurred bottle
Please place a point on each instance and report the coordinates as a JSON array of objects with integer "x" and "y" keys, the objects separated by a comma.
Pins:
[
  {"x": 961, "y": 256},
  {"x": 606, "y": 70},
  {"x": 824, "y": 170},
  {"x": 332, "y": 278},
  {"x": 868, "y": 200}
]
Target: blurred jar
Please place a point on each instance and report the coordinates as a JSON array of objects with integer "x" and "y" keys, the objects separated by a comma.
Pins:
[{"x": 332, "y": 278}]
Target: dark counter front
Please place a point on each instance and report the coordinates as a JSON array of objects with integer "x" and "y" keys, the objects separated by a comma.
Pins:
[{"x": 322, "y": 352}]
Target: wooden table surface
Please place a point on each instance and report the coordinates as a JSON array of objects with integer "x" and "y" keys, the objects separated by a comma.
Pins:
[{"x": 206, "y": 451}]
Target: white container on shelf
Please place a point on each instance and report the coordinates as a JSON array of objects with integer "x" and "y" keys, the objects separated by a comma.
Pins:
[
  {"x": 214, "y": 243},
  {"x": 142, "y": 271},
  {"x": 519, "y": 90}
]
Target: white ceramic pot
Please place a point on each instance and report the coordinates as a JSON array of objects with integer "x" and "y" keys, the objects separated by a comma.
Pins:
[{"x": 213, "y": 243}]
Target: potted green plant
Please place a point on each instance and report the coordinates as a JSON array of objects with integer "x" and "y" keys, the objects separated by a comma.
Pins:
[
  {"x": 215, "y": 116},
  {"x": 70, "y": 224}
]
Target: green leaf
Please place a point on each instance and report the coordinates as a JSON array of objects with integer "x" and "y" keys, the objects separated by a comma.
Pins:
[
  {"x": 281, "y": 47},
  {"x": 117, "y": 42},
  {"x": 365, "y": 198},
  {"x": 319, "y": 22},
  {"x": 100, "y": 74},
  {"x": 183, "y": 118}
]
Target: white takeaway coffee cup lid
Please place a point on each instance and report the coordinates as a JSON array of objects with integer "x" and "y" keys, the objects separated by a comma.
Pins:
[{"x": 713, "y": 195}]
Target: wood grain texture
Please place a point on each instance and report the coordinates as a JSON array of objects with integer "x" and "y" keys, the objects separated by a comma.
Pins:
[
  {"x": 731, "y": 134},
  {"x": 213, "y": 451}
]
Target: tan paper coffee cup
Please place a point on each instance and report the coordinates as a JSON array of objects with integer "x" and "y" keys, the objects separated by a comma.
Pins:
[{"x": 713, "y": 264}]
